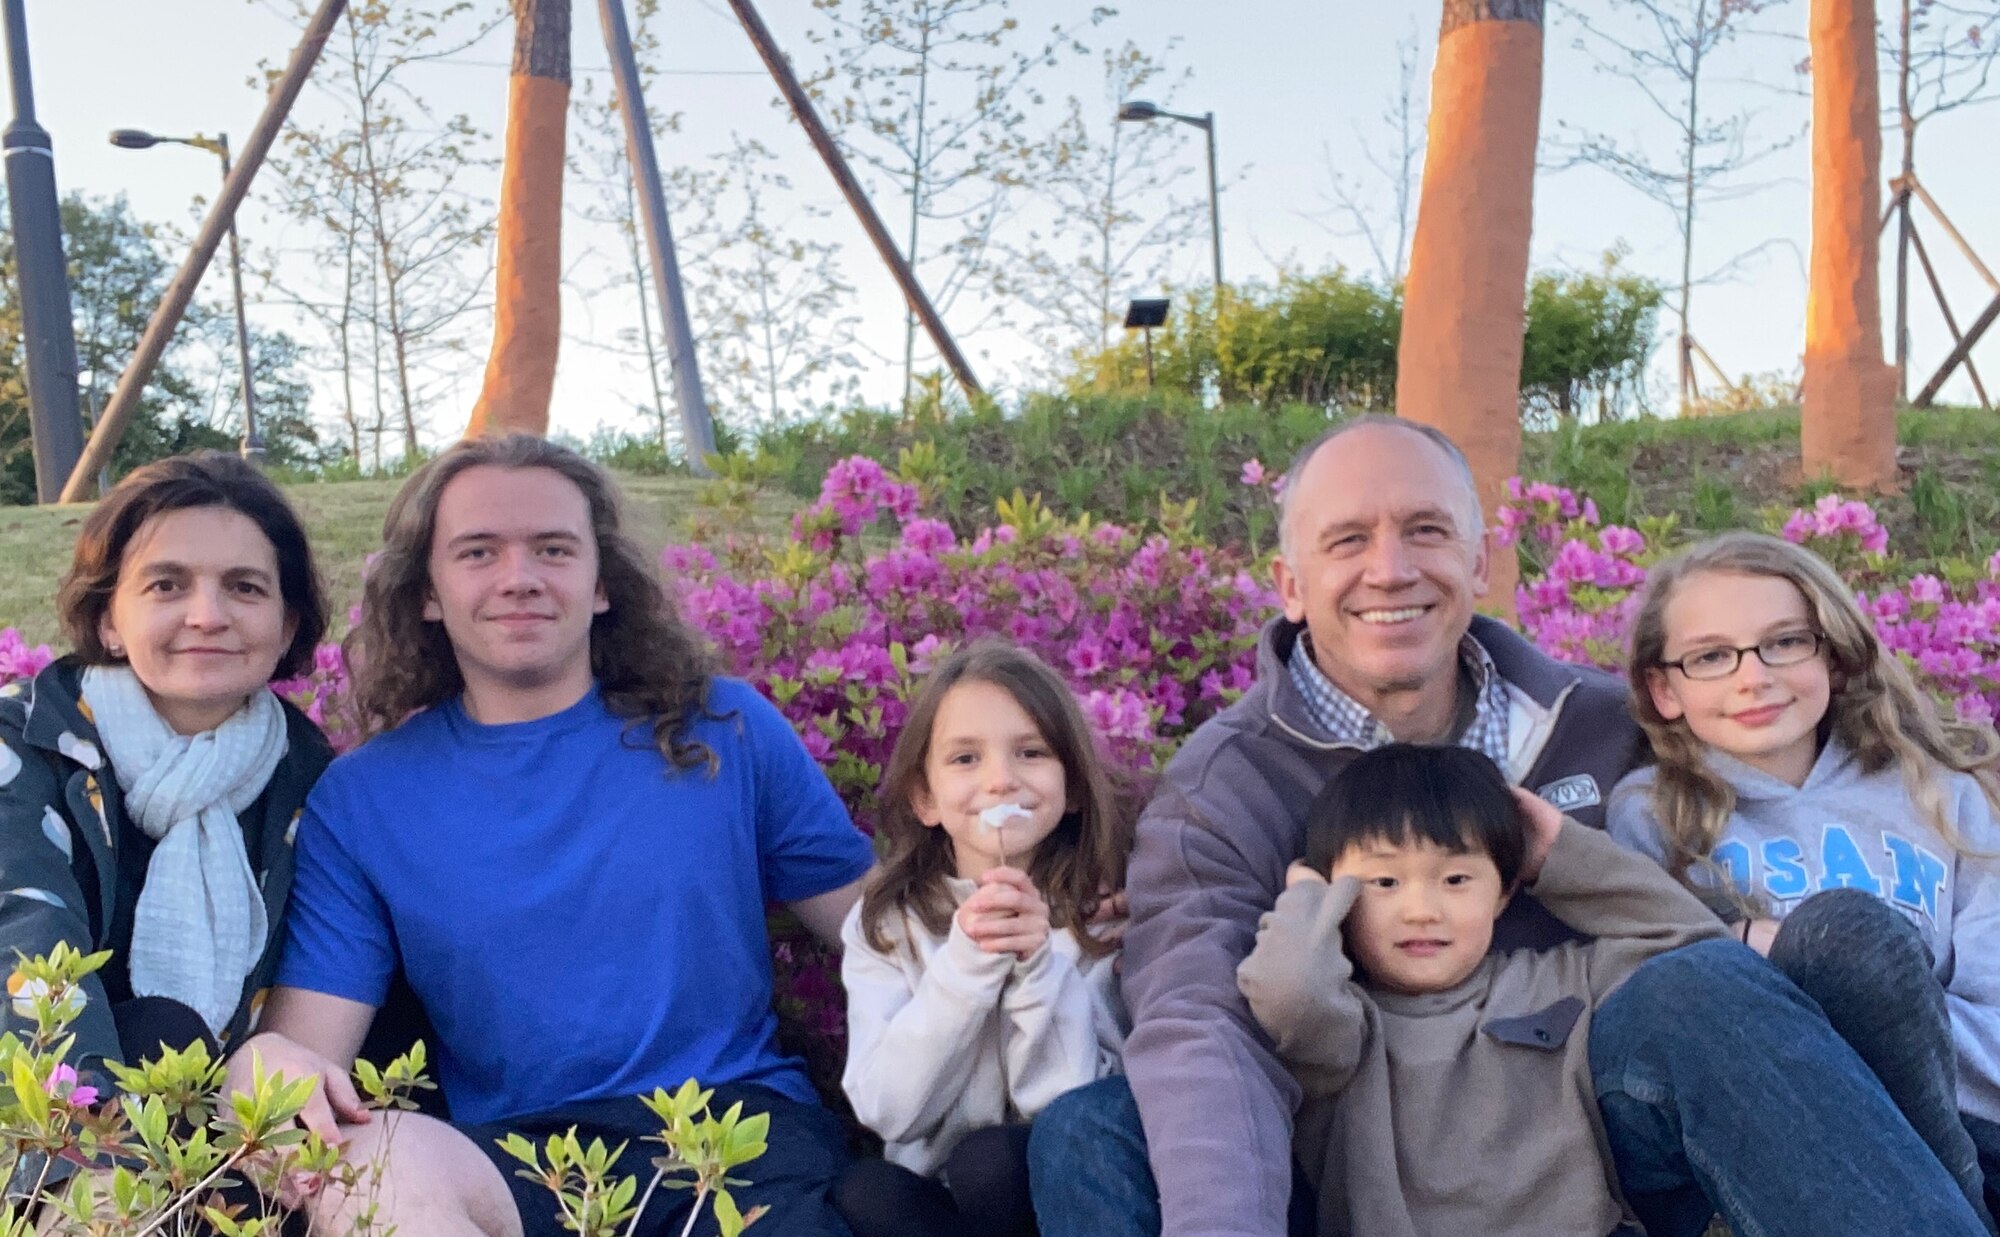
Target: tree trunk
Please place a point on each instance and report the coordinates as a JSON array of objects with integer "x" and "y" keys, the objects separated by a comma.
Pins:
[
  {"x": 527, "y": 317},
  {"x": 1459, "y": 363},
  {"x": 1848, "y": 426}
]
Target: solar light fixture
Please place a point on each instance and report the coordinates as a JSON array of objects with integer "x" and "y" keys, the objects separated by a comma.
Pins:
[{"x": 1145, "y": 314}]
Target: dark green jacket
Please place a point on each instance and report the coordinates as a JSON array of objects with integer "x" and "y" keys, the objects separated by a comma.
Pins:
[{"x": 64, "y": 833}]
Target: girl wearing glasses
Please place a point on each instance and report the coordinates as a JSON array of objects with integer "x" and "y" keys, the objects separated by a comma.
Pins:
[{"x": 1807, "y": 789}]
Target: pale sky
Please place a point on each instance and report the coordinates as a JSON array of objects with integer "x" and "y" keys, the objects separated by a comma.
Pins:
[{"x": 1288, "y": 82}]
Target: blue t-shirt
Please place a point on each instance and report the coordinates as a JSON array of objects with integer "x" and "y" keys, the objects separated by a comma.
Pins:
[{"x": 580, "y": 919}]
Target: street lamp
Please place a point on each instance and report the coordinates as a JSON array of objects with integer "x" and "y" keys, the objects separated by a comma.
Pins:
[
  {"x": 139, "y": 139},
  {"x": 1140, "y": 109}
]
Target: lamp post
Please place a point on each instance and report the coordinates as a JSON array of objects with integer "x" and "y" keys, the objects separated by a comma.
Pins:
[
  {"x": 1140, "y": 109},
  {"x": 48, "y": 335},
  {"x": 139, "y": 139}
]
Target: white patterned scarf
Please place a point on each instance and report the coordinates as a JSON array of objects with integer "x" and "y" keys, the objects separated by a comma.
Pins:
[{"x": 200, "y": 924}]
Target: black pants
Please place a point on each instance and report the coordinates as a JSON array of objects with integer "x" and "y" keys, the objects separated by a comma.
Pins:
[
  {"x": 805, "y": 1151},
  {"x": 147, "y": 1024},
  {"x": 988, "y": 1195}
]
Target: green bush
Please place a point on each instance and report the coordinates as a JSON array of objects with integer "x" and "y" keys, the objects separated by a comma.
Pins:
[
  {"x": 1327, "y": 340},
  {"x": 1118, "y": 457},
  {"x": 1587, "y": 342},
  {"x": 1330, "y": 340}
]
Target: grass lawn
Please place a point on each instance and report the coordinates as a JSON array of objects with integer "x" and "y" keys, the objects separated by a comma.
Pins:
[{"x": 344, "y": 519}]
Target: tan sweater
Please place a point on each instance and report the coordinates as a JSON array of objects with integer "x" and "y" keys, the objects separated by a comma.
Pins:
[
  {"x": 949, "y": 1039},
  {"x": 1470, "y": 1110}
]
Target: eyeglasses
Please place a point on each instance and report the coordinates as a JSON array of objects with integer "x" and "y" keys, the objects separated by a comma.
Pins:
[{"x": 1786, "y": 648}]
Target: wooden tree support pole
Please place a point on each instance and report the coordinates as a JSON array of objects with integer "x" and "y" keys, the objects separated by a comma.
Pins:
[
  {"x": 1964, "y": 246},
  {"x": 124, "y": 401},
  {"x": 1721, "y": 377},
  {"x": 1950, "y": 319},
  {"x": 857, "y": 198},
  {"x": 1959, "y": 354}
]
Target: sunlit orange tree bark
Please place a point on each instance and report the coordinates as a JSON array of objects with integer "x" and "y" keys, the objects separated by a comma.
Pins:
[
  {"x": 1459, "y": 362},
  {"x": 1848, "y": 423},
  {"x": 527, "y": 319}
]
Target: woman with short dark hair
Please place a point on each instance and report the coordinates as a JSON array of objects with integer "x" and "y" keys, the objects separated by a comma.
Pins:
[{"x": 149, "y": 780}]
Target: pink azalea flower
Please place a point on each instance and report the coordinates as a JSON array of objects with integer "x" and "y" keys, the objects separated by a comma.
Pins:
[
  {"x": 1253, "y": 472},
  {"x": 63, "y": 1086}
]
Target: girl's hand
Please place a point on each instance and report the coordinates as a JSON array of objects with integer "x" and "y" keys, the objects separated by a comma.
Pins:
[
  {"x": 1006, "y": 914},
  {"x": 1302, "y": 873},
  {"x": 1544, "y": 822},
  {"x": 1760, "y": 934}
]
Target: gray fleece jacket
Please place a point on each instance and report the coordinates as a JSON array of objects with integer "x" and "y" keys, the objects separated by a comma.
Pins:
[
  {"x": 1848, "y": 828},
  {"x": 1469, "y": 1110},
  {"x": 1229, "y": 815}
]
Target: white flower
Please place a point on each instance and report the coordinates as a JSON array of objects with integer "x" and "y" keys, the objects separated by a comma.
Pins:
[{"x": 1000, "y": 813}]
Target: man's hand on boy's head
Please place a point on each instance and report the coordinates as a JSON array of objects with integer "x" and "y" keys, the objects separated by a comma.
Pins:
[
  {"x": 1301, "y": 872},
  {"x": 1543, "y": 823}
]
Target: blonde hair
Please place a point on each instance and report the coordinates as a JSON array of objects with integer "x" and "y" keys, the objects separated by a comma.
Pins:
[{"x": 1877, "y": 711}]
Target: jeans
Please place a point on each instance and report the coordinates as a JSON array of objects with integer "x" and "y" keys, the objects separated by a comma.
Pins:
[
  {"x": 1088, "y": 1169},
  {"x": 987, "y": 1197},
  {"x": 1724, "y": 1089},
  {"x": 1869, "y": 970},
  {"x": 1986, "y": 1136}
]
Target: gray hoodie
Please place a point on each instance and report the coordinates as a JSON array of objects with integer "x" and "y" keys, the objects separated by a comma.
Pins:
[{"x": 1848, "y": 828}]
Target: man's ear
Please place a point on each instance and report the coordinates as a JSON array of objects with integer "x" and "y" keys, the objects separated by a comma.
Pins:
[
  {"x": 1291, "y": 594},
  {"x": 433, "y": 612},
  {"x": 1482, "y": 562}
]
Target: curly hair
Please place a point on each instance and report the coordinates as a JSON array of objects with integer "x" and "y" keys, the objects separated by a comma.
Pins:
[
  {"x": 650, "y": 664},
  {"x": 181, "y": 483},
  {"x": 1877, "y": 710},
  {"x": 1078, "y": 865}
]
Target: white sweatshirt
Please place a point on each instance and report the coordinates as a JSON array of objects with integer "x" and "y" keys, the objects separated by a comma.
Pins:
[{"x": 955, "y": 1039}]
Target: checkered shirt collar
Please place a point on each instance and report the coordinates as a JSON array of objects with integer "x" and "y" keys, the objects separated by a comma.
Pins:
[{"x": 1350, "y": 722}]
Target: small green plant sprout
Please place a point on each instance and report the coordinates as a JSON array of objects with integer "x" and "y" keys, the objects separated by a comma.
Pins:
[
  {"x": 390, "y": 1089},
  {"x": 80, "y": 1159},
  {"x": 701, "y": 1151},
  {"x": 588, "y": 1201},
  {"x": 708, "y": 1147}
]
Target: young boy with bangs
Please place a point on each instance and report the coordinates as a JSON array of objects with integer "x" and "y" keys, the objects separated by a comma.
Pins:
[{"x": 1373, "y": 977}]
